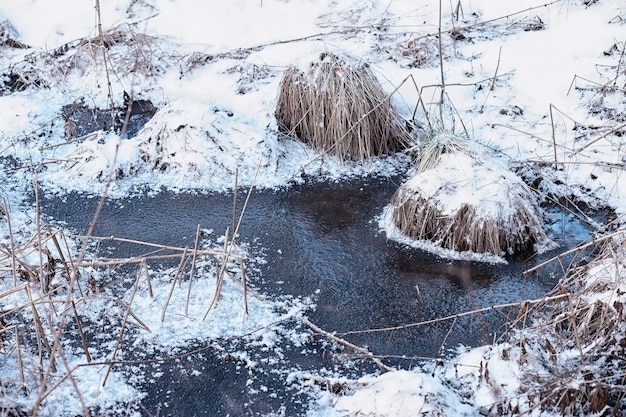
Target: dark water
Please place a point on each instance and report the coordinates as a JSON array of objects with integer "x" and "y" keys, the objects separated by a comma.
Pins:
[{"x": 321, "y": 240}]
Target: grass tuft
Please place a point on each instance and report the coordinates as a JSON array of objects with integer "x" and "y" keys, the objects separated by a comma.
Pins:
[
  {"x": 577, "y": 341},
  {"x": 339, "y": 108},
  {"x": 429, "y": 206}
]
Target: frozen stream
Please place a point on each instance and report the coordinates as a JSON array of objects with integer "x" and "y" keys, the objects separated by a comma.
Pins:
[{"x": 320, "y": 240}]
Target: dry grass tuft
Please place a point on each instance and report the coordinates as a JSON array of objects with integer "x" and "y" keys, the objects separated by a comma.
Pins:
[
  {"x": 506, "y": 223},
  {"x": 578, "y": 341},
  {"x": 339, "y": 108},
  {"x": 128, "y": 52},
  {"x": 121, "y": 50},
  {"x": 434, "y": 146}
]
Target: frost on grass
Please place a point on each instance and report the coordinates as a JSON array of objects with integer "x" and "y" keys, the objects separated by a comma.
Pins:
[
  {"x": 462, "y": 199},
  {"x": 501, "y": 94}
]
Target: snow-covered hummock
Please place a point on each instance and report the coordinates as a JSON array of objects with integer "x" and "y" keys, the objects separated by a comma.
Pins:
[
  {"x": 461, "y": 179},
  {"x": 465, "y": 184}
]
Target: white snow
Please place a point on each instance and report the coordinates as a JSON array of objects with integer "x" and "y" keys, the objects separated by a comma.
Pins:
[
  {"x": 403, "y": 393},
  {"x": 213, "y": 68}
]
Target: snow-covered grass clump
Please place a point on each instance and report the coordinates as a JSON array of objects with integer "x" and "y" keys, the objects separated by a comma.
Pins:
[{"x": 461, "y": 198}]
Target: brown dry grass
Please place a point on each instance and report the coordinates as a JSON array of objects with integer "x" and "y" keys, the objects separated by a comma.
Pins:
[
  {"x": 339, "y": 108},
  {"x": 465, "y": 230},
  {"x": 578, "y": 339},
  {"x": 419, "y": 217}
]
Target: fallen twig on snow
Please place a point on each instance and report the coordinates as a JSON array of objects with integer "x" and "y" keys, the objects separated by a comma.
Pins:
[{"x": 344, "y": 342}]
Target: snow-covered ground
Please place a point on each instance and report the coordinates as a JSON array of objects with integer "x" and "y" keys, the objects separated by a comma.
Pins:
[{"x": 540, "y": 83}]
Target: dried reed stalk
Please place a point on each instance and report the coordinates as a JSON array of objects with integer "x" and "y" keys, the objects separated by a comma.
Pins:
[
  {"x": 118, "y": 344},
  {"x": 7, "y": 214},
  {"x": 144, "y": 265},
  {"x": 341, "y": 109},
  {"x": 229, "y": 246},
  {"x": 80, "y": 332},
  {"x": 179, "y": 272},
  {"x": 193, "y": 265}
]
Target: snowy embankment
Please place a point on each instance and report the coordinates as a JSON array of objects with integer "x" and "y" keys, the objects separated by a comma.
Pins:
[{"x": 541, "y": 83}]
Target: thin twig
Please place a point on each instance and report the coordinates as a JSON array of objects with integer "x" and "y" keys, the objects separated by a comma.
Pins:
[
  {"x": 454, "y": 316},
  {"x": 235, "y": 188},
  {"x": 578, "y": 248},
  {"x": 193, "y": 265},
  {"x": 81, "y": 333},
  {"x": 105, "y": 60},
  {"x": 344, "y": 342},
  {"x": 144, "y": 243},
  {"x": 493, "y": 81},
  {"x": 5, "y": 208},
  {"x": 124, "y": 321},
  {"x": 149, "y": 282},
  {"x": 181, "y": 265},
  {"x": 443, "y": 81},
  {"x": 556, "y": 162}
]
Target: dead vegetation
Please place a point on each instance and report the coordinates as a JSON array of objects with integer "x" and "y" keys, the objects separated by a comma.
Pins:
[
  {"x": 596, "y": 143},
  {"x": 127, "y": 51},
  {"x": 340, "y": 108},
  {"x": 120, "y": 50},
  {"x": 573, "y": 353},
  {"x": 423, "y": 50},
  {"x": 51, "y": 291},
  {"x": 418, "y": 212}
]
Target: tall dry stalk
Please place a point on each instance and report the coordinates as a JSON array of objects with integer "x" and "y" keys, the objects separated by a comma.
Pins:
[
  {"x": 441, "y": 72},
  {"x": 229, "y": 246},
  {"x": 7, "y": 213},
  {"x": 105, "y": 60}
]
